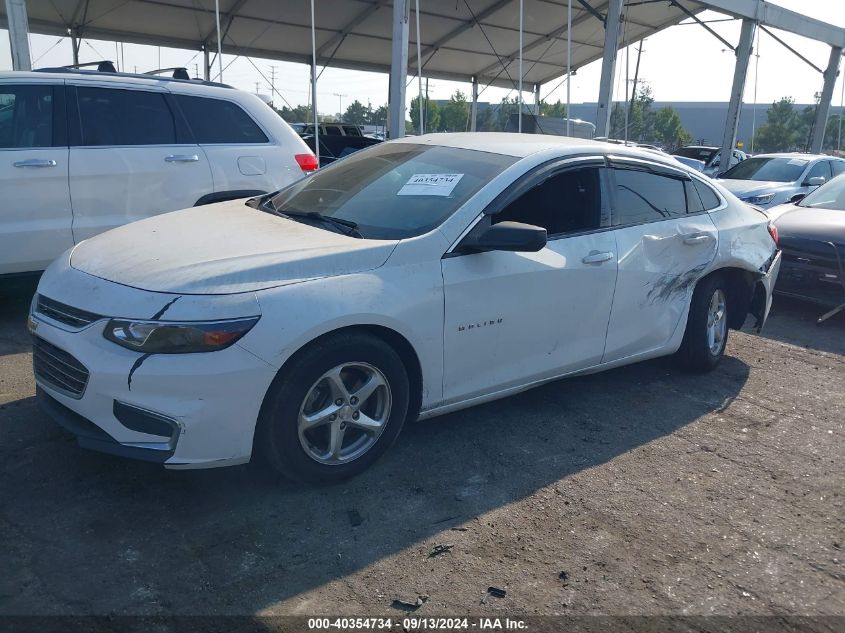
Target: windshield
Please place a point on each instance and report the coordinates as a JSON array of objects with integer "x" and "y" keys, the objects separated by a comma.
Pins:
[
  {"x": 394, "y": 190},
  {"x": 828, "y": 196},
  {"x": 698, "y": 153},
  {"x": 768, "y": 169}
]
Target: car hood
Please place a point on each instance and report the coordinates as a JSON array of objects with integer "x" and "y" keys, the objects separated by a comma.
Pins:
[
  {"x": 223, "y": 248},
  {"x": 804, "y": 223},
  {"x": 745, "y": 188}
]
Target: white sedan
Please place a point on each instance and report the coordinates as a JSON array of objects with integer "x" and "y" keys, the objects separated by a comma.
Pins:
[{"x": 412, "y": 279}]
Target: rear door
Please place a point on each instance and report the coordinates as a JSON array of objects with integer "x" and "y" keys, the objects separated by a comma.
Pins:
[
  {"x": 666, "y": 241},
  {"x": 131, "y": 157},
  {"x": 35, "y": 213}
]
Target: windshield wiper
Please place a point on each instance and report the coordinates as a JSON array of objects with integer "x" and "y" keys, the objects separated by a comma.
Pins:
[{"x": 339, "y": 223}]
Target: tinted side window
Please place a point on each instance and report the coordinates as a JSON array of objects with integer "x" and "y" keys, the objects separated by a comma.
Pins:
[
  {"x": 124, "y": 117},
  {"x": 218, "y": 121},
  {"x": 566, "y": 202},
  {"x": 838, "y": 167},
  {"x": 351, "y": 130},
  {"x": 694, "y": 204},
  {"x": 26, "y": 116},
  {"x": 708, "y": 197},
  {"x": 331, "y": 130},
  {"x": 821, "y": 168},
  {"x": 642, "y": 196}
]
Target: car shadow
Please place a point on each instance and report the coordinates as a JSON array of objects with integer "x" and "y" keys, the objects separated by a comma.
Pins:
[
  {"x": 90, "y": 534},
  {"x": 15, "y": 296},
  {"x": 794, "y": 321}
]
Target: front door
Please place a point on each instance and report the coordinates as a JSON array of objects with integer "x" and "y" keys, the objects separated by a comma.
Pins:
[
  {"x": 130, "y": 159},
  {"x": 35, "y": 213},
  {"x": 511, "y": 317}
]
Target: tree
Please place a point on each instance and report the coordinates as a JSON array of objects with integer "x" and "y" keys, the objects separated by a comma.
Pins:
[
  {"x": 356, "y": 114},
  {"x": 299, "y": 114},
  {"x": 378, "y": 116},
  {"x": 669, "y": 131},
  {"x": 432, "y": 115},
  {"x": 454, "y": 116},
  {"x": 503, "y": 113},
  {"x": 641, "y": 119},
  {"x": 782, "y": 130},
  {"x": 556, "y": 109}
]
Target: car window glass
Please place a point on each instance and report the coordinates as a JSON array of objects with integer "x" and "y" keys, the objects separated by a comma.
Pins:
[
  {"x": 643, "y": 196},
  {"x": 694, "y": 204},
  {"x": 831, "y": 195},
  {"x": 124, "y": 117},
  {"x": 709, "y": 198},
  {"x": 776, "y": 169},
  {"x": 331, "y": 130},
  {"x": 838, "y": 167},
  {"x": 394, "y": 190},
  {"x": 821, "y": 168},
  {"x": 218, "y": 121},
  {"x": 567, "y": 202},
  {"x": 351, "y": 130},
  {"x": 26, "y": 116}
]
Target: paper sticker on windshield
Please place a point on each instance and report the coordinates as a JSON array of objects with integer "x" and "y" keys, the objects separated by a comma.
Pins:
[
  {"x": 430, "y": 185},
  {"x": 797, "y": 161}
]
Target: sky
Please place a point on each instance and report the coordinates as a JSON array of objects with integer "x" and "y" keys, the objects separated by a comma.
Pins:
[{"x": 681, "y": 63}]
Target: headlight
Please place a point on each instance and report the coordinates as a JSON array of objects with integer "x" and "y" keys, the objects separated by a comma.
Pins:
[
  {"x": 171, "y": 337},
  {"x": 765, "y": 198}
]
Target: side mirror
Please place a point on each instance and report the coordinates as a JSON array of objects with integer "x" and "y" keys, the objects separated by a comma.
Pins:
[
  {"x": 798, "y": 197},
  {"x": 815, "y": 181},
  {"x": 511, "y": 236}
]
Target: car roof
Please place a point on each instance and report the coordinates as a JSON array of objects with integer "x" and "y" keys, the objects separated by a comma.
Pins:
[
  {"x": 181, "y": 85},
  {"x": 801, "y": 155},
  {"x": 522, "y": 145}
]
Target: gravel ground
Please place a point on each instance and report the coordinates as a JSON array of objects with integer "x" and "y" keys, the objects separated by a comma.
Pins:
[{"x": 640, "y": 491}]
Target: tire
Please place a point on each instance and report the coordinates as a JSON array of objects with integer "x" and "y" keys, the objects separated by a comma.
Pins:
[
  {"x": 297, "y": 435},
  {"x": 705, "y": 340}
]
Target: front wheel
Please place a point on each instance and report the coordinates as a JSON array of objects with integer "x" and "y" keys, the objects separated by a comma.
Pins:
[
  {"x": 706, "y": 335},
  {"x": 334, "y": 409}
]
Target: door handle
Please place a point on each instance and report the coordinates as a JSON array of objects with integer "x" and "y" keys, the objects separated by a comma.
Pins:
[
  {"x": 697, "y": 238},
  {"x": 35, "y": 162},
  {"x": 597, "y": 258},
  {"x": 181, "y": 158}
]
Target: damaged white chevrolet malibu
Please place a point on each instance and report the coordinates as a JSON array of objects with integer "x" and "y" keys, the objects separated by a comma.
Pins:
[{"x": 408, "y": 280}]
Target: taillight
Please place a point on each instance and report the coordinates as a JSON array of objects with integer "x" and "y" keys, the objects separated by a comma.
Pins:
[
  {"x": 773, "y": 231},
  {"x": 307, "y": 162}
]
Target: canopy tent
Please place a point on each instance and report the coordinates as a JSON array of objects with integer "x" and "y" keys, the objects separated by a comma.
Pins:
[{"x": 460, "y": 39}]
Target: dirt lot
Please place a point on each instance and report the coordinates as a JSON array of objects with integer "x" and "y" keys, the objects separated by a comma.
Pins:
[{"x": 655, "y": 492}]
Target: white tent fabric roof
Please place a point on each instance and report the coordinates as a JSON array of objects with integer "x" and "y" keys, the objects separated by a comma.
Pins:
[{"x": 460, "y": 39}]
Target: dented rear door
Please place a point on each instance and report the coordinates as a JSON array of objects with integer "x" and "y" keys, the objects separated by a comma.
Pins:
[{"x": 666, "y": 242}]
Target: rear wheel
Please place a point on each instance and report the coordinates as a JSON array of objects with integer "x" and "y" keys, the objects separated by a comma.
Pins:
[
  {"x": 335, "y": 409},
  {"x": 706, "y": 335}
]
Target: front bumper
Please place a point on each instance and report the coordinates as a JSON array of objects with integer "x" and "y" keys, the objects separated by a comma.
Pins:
[{"x": 182, "y": 410}]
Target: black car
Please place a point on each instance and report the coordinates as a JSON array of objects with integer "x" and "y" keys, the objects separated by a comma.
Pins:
[
  {"x": 334, "y": 148},
  {"x": 812, "y": 237}
]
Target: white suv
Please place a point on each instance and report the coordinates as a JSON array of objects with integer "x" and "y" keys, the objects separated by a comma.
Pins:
[{"x": 84, "y": 151}]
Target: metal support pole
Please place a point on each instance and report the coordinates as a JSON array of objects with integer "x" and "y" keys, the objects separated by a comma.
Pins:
[
  {"x": 823, "y": 109},
  {"x": 519, "y": 116},
  {"x": 537, "y": 99},
  {"x": 18, "y": 26},
  {"x": 474, "y": 109},
  {"x": 398, "y": 68},
  {"x": 568, "y": 64},
  {"x": 314, "y": 85},
  {"x": 419, "y": 70},
  {"x": 74, "y": 45},
  {"x": 743, "y": 57},
  {"x": 206, "y": 63},
  {"x": 608, "y": 66}
]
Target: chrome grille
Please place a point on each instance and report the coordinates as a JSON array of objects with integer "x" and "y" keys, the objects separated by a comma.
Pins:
[
  {"x": 58, "y": 369},
  {"x": 64, "y": 313}
]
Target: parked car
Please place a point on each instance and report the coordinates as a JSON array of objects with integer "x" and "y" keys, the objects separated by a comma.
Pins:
[
  {"x": 334, "y": 148},
  {"x": 84, "y": 151},
  {"x": 711, "y": 157},
  {"x": 411, "y": 279},
  {"x": 697, "y": 165},
  {"x": 333, "y": 129},
  {"x": 767, "y": 180},
  {"x": 812, "y": 236}
]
